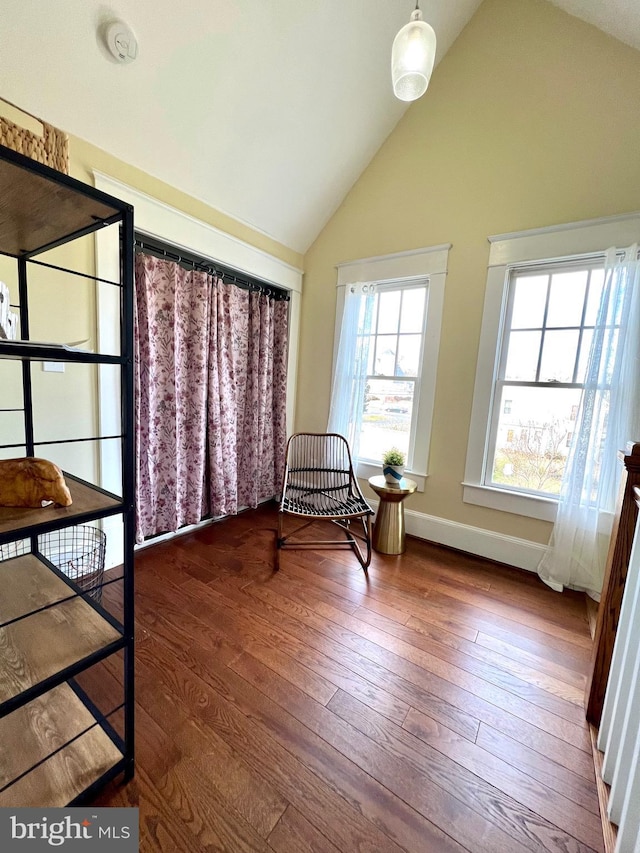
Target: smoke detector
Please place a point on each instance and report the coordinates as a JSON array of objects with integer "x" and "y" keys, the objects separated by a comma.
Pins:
[{"x": 121, "y": 42}]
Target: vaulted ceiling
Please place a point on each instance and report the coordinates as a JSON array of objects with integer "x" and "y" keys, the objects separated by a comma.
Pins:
[{"x": 268, "y": 110}]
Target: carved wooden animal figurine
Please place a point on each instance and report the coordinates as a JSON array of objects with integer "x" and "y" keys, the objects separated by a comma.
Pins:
[{"x": 28, "y": 482}]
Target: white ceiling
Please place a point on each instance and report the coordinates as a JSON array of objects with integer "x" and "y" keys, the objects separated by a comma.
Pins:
[
  {"x": 618, "y": 18},
  {"x": 268, "y": 110}
]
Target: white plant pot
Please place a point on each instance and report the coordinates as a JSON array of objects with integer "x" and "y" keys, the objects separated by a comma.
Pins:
[{"x": 393, "y": 474}]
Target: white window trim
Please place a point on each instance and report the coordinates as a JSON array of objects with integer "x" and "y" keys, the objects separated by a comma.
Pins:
[
  {"x": 427, "y": 263},
  {"x": 555, "y": 243}
]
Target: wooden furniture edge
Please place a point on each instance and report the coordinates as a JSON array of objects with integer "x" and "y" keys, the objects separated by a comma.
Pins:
[
  {"x": 622, "y": 534},
  {"x": 609, "y": 831}
]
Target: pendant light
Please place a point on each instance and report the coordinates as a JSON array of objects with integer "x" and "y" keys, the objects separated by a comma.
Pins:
[{"x": 412, "y": 58}]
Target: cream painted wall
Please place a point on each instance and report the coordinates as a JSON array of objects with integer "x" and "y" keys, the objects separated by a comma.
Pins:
[{"x": 531, "y": 119}]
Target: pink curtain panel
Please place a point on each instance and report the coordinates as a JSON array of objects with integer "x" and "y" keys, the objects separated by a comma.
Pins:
[{"x": 211, "y": 370}]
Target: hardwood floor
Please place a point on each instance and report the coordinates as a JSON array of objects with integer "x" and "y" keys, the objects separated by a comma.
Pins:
[{"x": 436, "y": 706}]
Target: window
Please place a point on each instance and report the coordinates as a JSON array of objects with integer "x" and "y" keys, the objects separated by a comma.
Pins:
[
  {"x": 394, "y": 370},
  {"x": 541, "y": 294},
  {"x": 403, "y": 340},
  {"x": 545, "y": 341}
]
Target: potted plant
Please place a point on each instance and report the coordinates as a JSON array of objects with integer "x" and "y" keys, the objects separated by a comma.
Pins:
[{"x": 393, "y": 465}]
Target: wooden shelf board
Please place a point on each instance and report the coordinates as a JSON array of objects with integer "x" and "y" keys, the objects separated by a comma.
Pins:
[
  {"x": 47, "y": 642},
  {"x": 27, "y": 585},
  {"x": 34, "y": 731},
  {"x": 35, "y": 211},
  {"x": 85, "y": 499}
]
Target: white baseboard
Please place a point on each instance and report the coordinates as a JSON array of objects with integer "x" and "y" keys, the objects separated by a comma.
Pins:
[
  {"x": 521, "y": 553},
  {"x": 165, "y": 537}
]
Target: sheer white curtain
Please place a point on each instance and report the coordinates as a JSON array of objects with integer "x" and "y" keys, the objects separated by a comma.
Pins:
[
  {"x": 350, "y": 378},
  {"x": 608, "y": 417}
]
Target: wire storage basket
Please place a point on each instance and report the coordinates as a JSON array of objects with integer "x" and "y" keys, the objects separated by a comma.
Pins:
[{"x": 78, "y": 551}]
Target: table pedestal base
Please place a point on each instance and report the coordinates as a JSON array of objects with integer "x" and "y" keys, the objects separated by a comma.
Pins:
[{"x": 388, "y": 531}]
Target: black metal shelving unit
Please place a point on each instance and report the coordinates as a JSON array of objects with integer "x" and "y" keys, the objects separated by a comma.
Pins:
[{"x": 63, "y": 734}]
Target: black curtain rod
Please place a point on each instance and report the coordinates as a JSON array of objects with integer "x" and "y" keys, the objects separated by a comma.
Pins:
[{"x": 229, "y": 276}]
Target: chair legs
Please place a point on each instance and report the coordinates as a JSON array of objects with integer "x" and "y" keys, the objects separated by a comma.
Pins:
[{"x": 352, "y": 538}]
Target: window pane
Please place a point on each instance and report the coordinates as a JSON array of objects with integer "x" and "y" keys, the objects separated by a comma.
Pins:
[
  {"x": 530, "y": 294},
  {"x": 558, "y": 355},
  {"x": 412, "y": 313},
  {"x": 595, "y": 295},
  {"x": 566, "y": 298},
  {"x": 408, "y": 355},
  {"x": 532, "y": 438},
  {"x": 389, "y": 313},
  {"x": 386, "y": 355},
  {"x": 387, "y": 417},
  {"x": 522, "y": 356}
]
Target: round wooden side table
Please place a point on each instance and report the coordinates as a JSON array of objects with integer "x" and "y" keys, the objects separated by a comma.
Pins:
[{"x": 388, "y": 531}]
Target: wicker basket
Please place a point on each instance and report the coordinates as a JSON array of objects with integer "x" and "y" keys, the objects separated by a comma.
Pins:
[{"x": 50, "y": 148}]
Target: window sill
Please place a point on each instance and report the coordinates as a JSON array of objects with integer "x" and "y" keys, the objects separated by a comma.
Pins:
[
  {"x": 530, "y": 505},
  {"x": 364, "y": 470}
]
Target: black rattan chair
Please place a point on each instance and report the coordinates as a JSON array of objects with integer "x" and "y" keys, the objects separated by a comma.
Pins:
[{"x": 320, "y": 485}]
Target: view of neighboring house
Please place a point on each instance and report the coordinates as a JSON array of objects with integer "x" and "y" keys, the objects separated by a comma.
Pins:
[{"x": 532, "y": 444}]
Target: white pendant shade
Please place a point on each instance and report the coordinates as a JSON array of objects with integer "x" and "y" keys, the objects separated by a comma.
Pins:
[{"x": 412, "y": 58}]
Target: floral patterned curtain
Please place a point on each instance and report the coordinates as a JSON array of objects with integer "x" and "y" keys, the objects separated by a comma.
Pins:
[
  {"x": 171, "y": 349},
  {"x": 247, "y": 397},
  {"x": 211, "y": 369}
]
